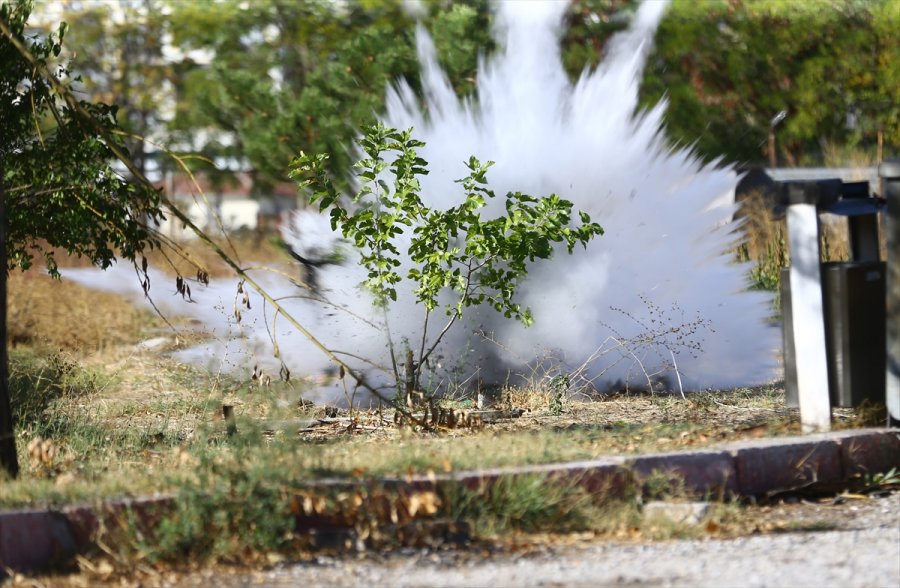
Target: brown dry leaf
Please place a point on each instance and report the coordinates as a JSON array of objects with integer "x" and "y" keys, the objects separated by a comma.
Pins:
[
  {"x": 426, "y": 502},
  {"x": 183, "y": 457},
  {"x": 42, "y": 451},
  {"x": 100, "y": 568},
  {"x": 395, "y": 516},
  {"x": 65, "y": 479},
  {"x": 757, "y": 431},
  {"x": 308, "y": 507},
  {"x": 712, "y": 527}
]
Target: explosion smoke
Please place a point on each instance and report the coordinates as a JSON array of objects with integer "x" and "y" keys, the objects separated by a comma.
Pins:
[{"x": 659, "y": 289}]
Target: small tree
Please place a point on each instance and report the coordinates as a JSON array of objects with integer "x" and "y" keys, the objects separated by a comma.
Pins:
[
  {"x": 58, "y": 189},
  {"x": 478, "y": 260}
]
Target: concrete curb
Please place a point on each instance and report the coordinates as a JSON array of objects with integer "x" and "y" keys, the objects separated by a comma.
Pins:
[{"x": 34, "y": 539}]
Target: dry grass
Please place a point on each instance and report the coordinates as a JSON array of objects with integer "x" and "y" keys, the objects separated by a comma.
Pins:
[
  {"x": 111, "y": 418},
  {"x": 765, "y": 241},
  {"x": 150, "y": 422},
  {"x": 57, "y": 314},
  {"x": 836, "y": 155},
  {"x": 129, "y": 420},
  {"x": 245, "y": 249},
  {"x": 765, "y": 232}
]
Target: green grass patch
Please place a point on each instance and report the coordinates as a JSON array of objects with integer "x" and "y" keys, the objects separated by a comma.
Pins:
[
  {"x": 93, "y": 433},
  {"x": 90, "y": 433}
]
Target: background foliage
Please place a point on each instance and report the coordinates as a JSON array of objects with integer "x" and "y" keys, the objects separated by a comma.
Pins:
[
  {"x": 729, "y": 66},
  {"x": 261, "y": 81},
  {"x": 60, "y": 189}
]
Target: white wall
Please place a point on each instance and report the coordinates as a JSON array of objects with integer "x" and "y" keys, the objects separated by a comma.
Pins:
[{"x": 234, "y": 214}]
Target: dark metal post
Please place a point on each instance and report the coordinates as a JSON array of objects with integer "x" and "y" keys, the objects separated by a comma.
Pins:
[
  {"x": 773, "y": 153},
  {"x": 228, "y": 415}
]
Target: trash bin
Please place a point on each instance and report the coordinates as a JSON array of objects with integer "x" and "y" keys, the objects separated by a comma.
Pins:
[{"x": 853, "y": 299}]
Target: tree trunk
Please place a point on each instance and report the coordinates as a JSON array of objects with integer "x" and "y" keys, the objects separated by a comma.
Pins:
[{"x": 8, "y": 459}]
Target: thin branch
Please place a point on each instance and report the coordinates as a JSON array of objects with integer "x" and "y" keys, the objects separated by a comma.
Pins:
[
  {"x": 422, "y": 356},
  {"x": 677, "y": 374},
  {"x": 638, "y": 361}
]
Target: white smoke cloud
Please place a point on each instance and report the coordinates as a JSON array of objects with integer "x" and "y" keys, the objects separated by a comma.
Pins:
[{"x": 662, "y": 263}]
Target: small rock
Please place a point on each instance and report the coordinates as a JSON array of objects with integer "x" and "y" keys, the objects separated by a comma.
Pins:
[
  {"x": 689, "y": 513},
  {"x": 154, "y": 343}
]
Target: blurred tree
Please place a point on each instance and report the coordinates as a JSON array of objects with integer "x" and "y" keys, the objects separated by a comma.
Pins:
[
  {"x": 285, "y": 76},
  {"x": 587, "y": 27},
  {"x": 728, "y": 67},
  {"x": 254, "y": 83},
  {"x": 58, "y": 190},
  {"x": 118, "y": 49},
  {"x": 461, "y": 33}
]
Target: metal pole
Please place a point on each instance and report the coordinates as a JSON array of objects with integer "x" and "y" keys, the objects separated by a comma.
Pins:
[
  {"x": 773, "y": 157},
  {"x": 773, "y": 154}
]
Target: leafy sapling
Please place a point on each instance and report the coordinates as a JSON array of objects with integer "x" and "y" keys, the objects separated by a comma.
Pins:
[{"x": 457, "y": 251}]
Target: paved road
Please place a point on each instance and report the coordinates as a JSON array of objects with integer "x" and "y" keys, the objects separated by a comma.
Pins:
[{"x": 862, "y": 549}]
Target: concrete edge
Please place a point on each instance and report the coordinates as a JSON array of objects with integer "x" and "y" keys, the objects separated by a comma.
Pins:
[{"x": 31, "y": 540}]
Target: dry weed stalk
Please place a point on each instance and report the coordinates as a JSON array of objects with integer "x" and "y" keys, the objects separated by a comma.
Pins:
[{"x": 548, "y": 379}]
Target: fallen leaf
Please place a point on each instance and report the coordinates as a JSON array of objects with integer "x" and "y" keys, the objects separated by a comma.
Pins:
[{"x": 426, "y": 502}]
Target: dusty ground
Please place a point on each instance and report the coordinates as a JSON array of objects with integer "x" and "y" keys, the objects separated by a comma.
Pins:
[
  {"x": 152, "y": 392},
  {"x": 613, "y": 423}
]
